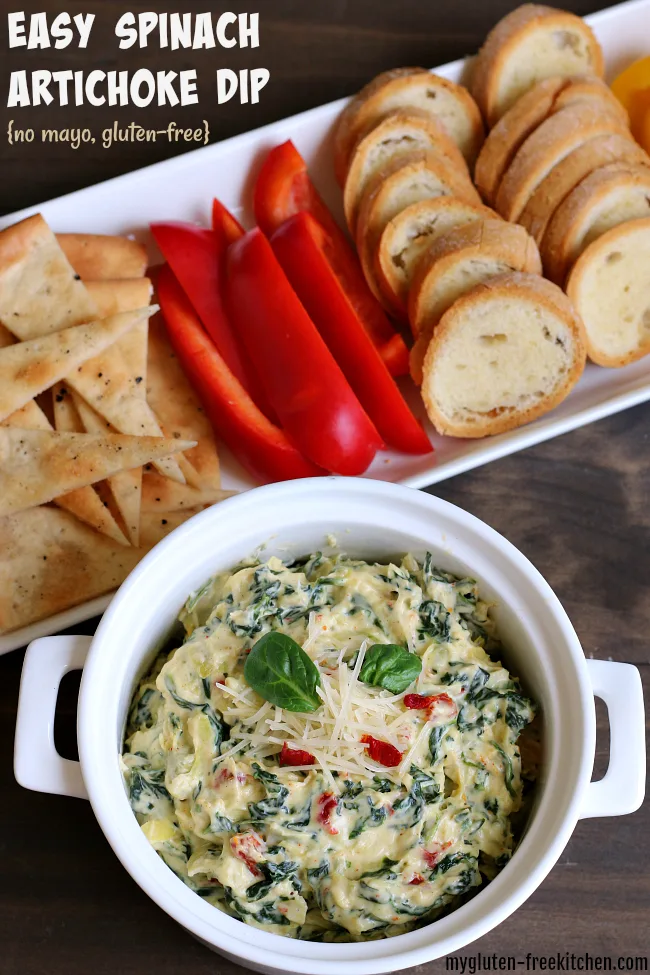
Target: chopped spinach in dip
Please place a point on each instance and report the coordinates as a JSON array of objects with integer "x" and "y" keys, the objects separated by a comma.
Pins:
[{"x": 366, "y": 817}]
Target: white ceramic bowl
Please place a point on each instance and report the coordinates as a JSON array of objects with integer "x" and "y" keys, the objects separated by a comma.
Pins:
[{"x": 371, "y": 519}]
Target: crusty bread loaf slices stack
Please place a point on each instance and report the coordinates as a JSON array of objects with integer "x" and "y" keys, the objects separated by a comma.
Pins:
[
  {"x": 531, "y": 43},
  {"x": 606, "y": 198},
  {"x": 454, "y": 264},
  {"x": 610, "y": 287},
  {"x": 406, "y": 180},
  {"x": 408, "y": 89},
  {"x": 495, "y": 344},
  {"x": 407, "y": 237},
  {"x": 504, "y": 354}
]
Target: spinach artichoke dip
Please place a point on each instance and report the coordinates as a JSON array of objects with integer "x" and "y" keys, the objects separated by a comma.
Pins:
[{"x": 331, "y": 754}]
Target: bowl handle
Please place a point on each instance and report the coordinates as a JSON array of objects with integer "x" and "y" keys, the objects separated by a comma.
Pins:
[
  {"x": 37, "y": 764},
  {"x": 622, "y": 788}
]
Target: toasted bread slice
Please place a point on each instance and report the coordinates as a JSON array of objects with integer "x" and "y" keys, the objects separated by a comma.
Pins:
[
  {"x": 610, "y": 288},
  {"x": 404, "y": 90},
  {"x": 407, "y": 179},
  {"x": 510, "y": 133},
  {"x": 504, "y": 354},
  {"x": 399, "y": 134},
  {"x": 529, "y": 44},
  {"x": 589, "y": 88},
  {"x": 555, "y": 138},
  {"x": 454, "y": 264},
  {"x": 352, "y": 121},
  {"x": 409, "y": 235},
  {"x": 606, "y": 198},
  {"x": 564, "y": 177}
]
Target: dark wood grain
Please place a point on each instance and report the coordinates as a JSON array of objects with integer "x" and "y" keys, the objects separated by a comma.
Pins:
[{"x": 578, "y": 507}]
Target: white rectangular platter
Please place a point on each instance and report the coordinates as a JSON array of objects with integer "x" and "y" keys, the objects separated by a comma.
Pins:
[{"x": 182, "y": 188}]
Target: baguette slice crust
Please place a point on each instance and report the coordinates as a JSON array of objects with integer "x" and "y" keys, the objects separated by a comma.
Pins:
[
  {"x": 398, "y": 135},
  {"x": 503, "y": 355},
  {"x": 606, "y": 198},
  {"x": 564, "y": 177},
  {"x": 409, "y": 235},
  {"x": 589, "y": 88},
  {"x": 457, "y": 262},
  {"x": 350, "y": 124},
  {"x": 610, "y": 288},
  {"x": 549, "y": 144},
  {"x": 529, "y": 44},
  {"x": 405, "y": 90},
  {"x": 510, "y": 133},
  {"x": 405, "y": 180}
]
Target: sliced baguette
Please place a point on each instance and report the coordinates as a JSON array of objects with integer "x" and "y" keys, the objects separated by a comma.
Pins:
[
  {"x": 555, "y": 138},
  {"x": 606, "y": 198},
  {"x": 589, "y": 88},
  {"x": 408, "y": 236},
  {"x": 510, "y": 133},
  {"x": 407, "y": 179},
  {"x": 399, "y": 134},
  {"x": 529, "y": 44},
  {"x": 454, "y": 264},
  {"x": 564, "y": 177},
  {"x": 610, "y": 288},
  {"x": 352, "y": 120},
  {"x": 504, "y": 354},
  {"x": 403, "y": 90}
]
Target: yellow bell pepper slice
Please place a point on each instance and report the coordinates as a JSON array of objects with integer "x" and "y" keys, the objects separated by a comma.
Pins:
[{"x": 632, "y": 88}]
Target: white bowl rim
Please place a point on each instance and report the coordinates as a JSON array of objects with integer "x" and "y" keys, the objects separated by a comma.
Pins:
[{"x": 261, "y": 948}]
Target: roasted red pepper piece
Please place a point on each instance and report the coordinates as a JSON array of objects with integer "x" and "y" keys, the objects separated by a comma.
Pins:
[
  {"x": 262, "y": 448},
  {"x": 417, "y": 880},
  {"x": 295, "y": 756},
  {"x": 432, "y": 857},
  {"x": 249, "y": 847},
  {"x": 284, "y": 188},
  {"x": 327, "y": 803},
  {"x": 420, "y": 702},
  {"x": 224, "y": 224},
  {"x": 382, "y": 752},
  {"x": 304, "y": 384},
  {"x": 302, "y": 246}
]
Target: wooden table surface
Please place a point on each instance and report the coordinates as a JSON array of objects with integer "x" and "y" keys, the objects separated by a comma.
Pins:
[{"x": 578, "y": 507}]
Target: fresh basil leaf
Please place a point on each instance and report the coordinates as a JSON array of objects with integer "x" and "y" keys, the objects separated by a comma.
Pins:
[
  {"x": 390, "y": 666},
  {"x": 282, "y": 673}
]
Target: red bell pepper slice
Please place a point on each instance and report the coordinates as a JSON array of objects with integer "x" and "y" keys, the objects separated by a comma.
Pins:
[
  {"x": 382, "y": 752},
  {"x": 301, "y": 246},
  {"x": 305, "y": 386},
  {"x": 284, "y": 188},
  {"x": 196, "y": 257},
  {"x": 224, "y": 224},
  {"x": 262, "y": 448},
  {"x": 295, "y": 756}
]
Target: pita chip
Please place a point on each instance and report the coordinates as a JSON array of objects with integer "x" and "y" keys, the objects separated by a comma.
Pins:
[
  {"x": 39, "y": 290},
  {"x": 84, "y": 503},
  {"x": 123, "y": 490},
  {"x": 27, "y": 368},
  {"x": 178, "y": 408},
  {"x": 112, "y": 297},
  {"x": 161, "y": 494},
  {"x": 49, "y": 562},
  {"x": 98, "y": 257},
  {"x": 39, "y": 293},
  {"x": 39, "y": 465}
]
